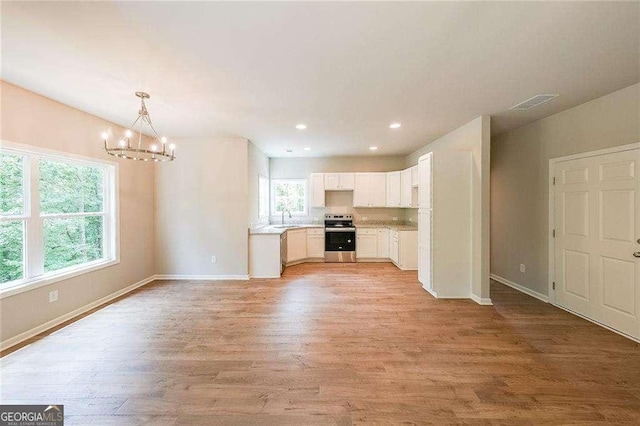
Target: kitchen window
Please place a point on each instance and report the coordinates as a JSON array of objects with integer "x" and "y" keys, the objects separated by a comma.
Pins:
[
  {"x": 263, "y": 196},
  {"x": 289, "y": 194},
  {"x": 57, "y": 217}
]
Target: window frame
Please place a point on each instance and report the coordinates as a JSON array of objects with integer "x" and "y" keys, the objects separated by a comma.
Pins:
[
  {"x": 266, "y": 199},
  {"x": 33, "y": 249},
  {"x": 275, "y": 182}
]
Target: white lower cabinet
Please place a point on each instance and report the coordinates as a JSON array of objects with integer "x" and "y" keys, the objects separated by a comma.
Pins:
[
  {"x": 383, "y": 243},
  {"x": 366, "y": 243},
  {"x": 403, "y": 249},
  {"x": 394, "y": 251},
  {"x": 296, "y": 244},
  {"x": 315, "y": 242}
]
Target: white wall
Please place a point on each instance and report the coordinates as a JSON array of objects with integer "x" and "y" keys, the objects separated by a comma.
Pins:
[
  {"x": 28, "y": 118},
  {"x": 258, "y": 166},
  {"x": 475, "y": 137},
  {"x": 520, "y": 170},
  {"x": 339, "y": 201},
  {"x": 202, "y": 208}
]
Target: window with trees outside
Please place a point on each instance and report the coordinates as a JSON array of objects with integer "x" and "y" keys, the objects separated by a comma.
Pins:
[
  {"x": 290, "y": 194},
  {"x": 263, "y": 196},
  {"x": 57, "y": 215}
]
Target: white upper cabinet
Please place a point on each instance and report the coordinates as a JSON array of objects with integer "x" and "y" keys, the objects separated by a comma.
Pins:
[
  {"x": 405, "y": 188},
  {"x": 393, "y": 189},
  {"x": 415, "y": 176},
  {"x": 424, "y": 189},
  {"x": 339, "y": 181},
  {"x": 316, "y": 189},
  {"x": 370, "y": 190}
]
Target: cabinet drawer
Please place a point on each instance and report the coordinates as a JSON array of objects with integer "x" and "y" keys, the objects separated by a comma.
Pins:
[
  {"x": 315, "y": 231},
  {"x": 367, "y": 231}
]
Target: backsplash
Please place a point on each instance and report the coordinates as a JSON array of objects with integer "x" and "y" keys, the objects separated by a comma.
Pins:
[{"x": 341, "y": 202}]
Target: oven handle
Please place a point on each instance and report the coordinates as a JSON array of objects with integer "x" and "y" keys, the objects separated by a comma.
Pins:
[{"x": 340, "y": 229}]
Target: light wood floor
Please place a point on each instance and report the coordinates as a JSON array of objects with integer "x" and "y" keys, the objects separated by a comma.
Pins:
[{"x": 327, "y": 344}]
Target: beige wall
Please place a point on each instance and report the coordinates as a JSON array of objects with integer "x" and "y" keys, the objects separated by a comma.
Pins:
[
  {"x": 31, "y": 119},
  {"x": 258, "y": 166},
  {"x": 339, "y": 201},
  {"x": 520, "y": 172},
  {"x": 475, "y": 137},
  {"x": 202, "y": 208}
]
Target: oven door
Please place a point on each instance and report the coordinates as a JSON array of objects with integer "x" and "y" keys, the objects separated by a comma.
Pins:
[{"x": 341, "y": 239}]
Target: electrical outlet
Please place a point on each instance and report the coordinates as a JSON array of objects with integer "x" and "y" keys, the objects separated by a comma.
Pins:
[
  {"x": 214, "y": 259},
  {"x": 53, "y": 296},
  {"x": 523, "y": 268}
]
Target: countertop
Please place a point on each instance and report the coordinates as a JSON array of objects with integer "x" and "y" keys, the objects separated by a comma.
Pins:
[{"x": 278, "y": 230}]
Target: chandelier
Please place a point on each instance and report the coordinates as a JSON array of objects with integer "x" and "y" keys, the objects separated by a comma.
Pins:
[{"x": 156, "y": 150}]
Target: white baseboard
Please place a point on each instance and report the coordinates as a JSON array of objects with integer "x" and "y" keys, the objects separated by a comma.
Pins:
[
  {"x": 5, "y": 344},
  {"x": 520, "y": 288},
  {"x": 431, "y": 292},
  {"x": 484, "y": 301},
  {"x": 200, "y": 277}
]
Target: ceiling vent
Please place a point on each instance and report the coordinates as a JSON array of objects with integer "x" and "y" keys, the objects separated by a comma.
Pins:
[{"x": 533, "y": 102}]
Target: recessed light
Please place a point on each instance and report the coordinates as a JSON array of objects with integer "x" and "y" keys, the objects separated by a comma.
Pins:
[
  {"x": 373, "y": 148},
  {"x": 307, "y": 149},
  {"x": 301, "y": 126},
  {"x": 395, "y": 125}
]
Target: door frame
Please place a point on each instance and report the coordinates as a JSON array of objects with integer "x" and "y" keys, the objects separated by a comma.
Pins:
[{"x": 552, "y": 206}]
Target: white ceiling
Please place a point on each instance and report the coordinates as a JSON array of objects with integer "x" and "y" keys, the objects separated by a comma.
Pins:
[{"x": 347, "y": 70}]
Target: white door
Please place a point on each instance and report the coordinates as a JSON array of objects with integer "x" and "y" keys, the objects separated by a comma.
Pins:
[
  {"x": 383, "y": 243},
  {"x": 424, "y": 248},
  {"x": 424, "y": 189},
  {"x": 317, "y": 189},
  {"x": 597, "y": 227},
  {"x": 331, "y": 181},
  {"x": 347, "y": 181},
  {"x": 377, "y": 189},
  {"x": 393, "y": 189},
  {"x": 361, "y": 190},
  {"x": 405, "y": 188},
  {"x": 367, "y": 245},
  {"x": 315, "y": 245}
]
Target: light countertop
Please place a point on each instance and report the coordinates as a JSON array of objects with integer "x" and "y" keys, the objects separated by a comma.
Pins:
[{"x": 279, "y": 230}]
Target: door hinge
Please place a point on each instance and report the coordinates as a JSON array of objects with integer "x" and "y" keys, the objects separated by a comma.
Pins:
[
  {"x": 553, "y": 233},
  {"x": 553, "y": 286}
]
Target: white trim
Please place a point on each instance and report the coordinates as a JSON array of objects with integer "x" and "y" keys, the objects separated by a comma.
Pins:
[
  {"x": 552, "y": 224},
  {"x": 5, "y": 344},
  {"x": 431, "y": 292},
  {"x": 201, "y": 277},
  {"x": 54, "y": 277},
  {"x": 484, "y": 301},
  {"x": 520, "y": 288},
  {"x": 635, "y": 339}
]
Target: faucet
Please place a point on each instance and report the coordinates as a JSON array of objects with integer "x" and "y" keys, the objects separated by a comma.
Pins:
[{"x": 286, "y": 210}]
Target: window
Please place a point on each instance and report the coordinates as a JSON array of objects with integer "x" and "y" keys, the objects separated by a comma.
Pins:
[
  {"x": 57, "y": 216},
  {"x": 289, "y": 194},
  {"x": 263, "y": 196}
]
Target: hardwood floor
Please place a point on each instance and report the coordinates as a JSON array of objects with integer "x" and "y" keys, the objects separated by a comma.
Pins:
[{"x": 327, "y": 344}]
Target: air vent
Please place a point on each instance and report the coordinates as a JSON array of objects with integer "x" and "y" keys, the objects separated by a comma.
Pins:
[{"x": 533, "y": 102}]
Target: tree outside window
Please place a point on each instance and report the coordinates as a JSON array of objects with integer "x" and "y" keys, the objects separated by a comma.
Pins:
[{"x": 289, "y": 194}]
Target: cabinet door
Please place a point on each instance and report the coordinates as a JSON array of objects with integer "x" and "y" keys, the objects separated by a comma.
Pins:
[
  {"x": 361, "y": 190},
  {"x": 424, "y": 190},
  {"x": 415, "y": 176},
  {"x": 405, "y": 188},
  {"x": 331, "y": 181},
  {"x": 394, "y": 250},
  {"x": 378, "y": 190},
  {"x": 317, "y": 189},
  {"x": 367, "y": 246},
  {"x": 315, "y": 245},
  {"x": 424, "y": 248},
  {"x": 347, "y": 181},
  {"x": 383, "y": 243},
  {"x": 393, "y": 189},
  {"x": 296, "y": 245}
]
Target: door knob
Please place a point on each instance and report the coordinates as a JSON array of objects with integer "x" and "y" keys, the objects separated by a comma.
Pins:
[{"x": 636, "y": 254}]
